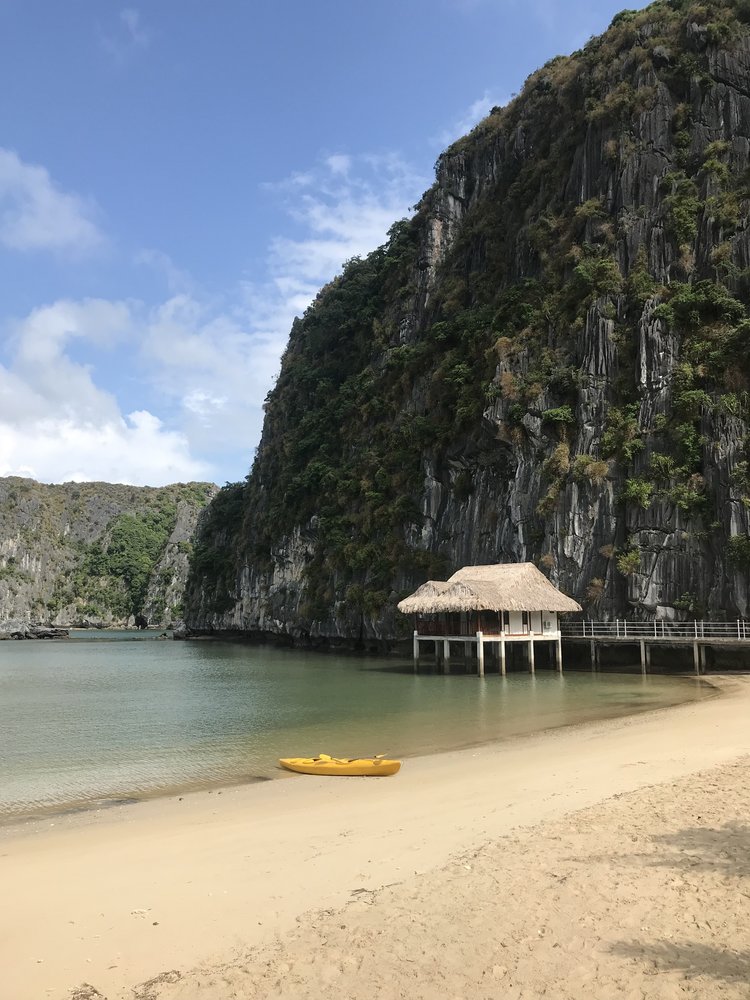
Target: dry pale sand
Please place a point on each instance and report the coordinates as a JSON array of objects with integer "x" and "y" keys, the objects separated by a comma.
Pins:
[{"x": 607, "y": 860}]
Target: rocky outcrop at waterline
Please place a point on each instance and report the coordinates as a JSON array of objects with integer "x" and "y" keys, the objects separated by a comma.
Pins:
[
  {"x": 19, "y": 630},
  {"x": 93, "y": 554},
  {"x": 549, "y": 362}
]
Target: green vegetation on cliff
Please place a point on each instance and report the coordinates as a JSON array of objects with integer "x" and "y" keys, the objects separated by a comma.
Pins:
[
  {"x": 113, "y": 575},
  {"x": 100, "y": 552},
  {"x": 568, "y": 309}
]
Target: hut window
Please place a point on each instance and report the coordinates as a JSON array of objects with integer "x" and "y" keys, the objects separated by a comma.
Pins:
[{"x": 506, "y": 619}]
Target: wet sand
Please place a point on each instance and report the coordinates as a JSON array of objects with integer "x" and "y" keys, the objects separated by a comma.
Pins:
[{"x": 605, "y": 859}]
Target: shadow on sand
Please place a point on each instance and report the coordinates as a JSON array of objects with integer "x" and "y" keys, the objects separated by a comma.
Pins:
[
  {"x": 724, "y": 851},
  {"x": 691, "y": 958}
]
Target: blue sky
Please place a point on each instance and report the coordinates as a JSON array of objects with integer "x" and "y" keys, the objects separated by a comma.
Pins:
[{"x": 178, "y": 178}]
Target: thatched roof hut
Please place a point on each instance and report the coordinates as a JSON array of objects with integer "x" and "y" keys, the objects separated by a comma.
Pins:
[{"x": 502, "y": 587}]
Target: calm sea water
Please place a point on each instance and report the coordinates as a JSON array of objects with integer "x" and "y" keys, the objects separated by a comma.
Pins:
[{"x": 122, "y": 715}]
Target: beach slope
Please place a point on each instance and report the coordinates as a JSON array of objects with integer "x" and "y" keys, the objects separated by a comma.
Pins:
[{"x": 602, "y": 860}]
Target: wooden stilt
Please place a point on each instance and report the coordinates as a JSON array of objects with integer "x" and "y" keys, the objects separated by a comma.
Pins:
[
  {"x": 480, "y": 654},
  {"x": 502, "y": 657},
  {"x": 416, "y": 651},
  {"x": 531, "y": 656},
  {"x": 696, "y": 658},
  {"x": 593, "y": 655},
  {"x": 643, "y": 656},
  {"x": 558, "y": 655},
  {"x": 446, "y": 656},
  {"x": 648, "y": 656}
]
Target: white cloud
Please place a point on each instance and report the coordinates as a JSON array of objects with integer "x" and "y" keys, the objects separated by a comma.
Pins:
[
  {"x": 203, "y": 404},
  {"x": 135, "y": 449},
  {"x": 43, "y": 334},
  {"x": 345, "y": 210},
  {"x": 51, "y": 382},
  {"x": 56, "y": 424},
  {"x": 211, "y": 367},
  {"x": 208, "y": 362},
  {"x": 36, "y": 215},
  {"x": 339, "y": 164}
]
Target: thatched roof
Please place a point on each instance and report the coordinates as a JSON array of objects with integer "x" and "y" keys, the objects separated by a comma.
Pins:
[
  {"x": 503, "y": 587},
  {"x": 429, "y": 591}
]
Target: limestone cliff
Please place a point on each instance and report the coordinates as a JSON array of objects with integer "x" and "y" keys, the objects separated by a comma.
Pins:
[
  {"x": 95, "y": 553},
  {"x": 549, "y": 362}
]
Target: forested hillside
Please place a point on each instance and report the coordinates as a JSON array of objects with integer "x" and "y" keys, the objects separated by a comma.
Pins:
[
  {"x": 549, "y": 362},
  {"x": 95, "y": 553}
]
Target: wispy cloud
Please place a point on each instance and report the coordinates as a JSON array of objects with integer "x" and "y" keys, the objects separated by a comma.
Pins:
[
  {"x": 344, "y": 210},
  {"x": 339, "y": 164},
  {"x": 131, "y": 19},
  {"x": 215, "y": 360},
  {"x": 127, "y": 36},
  {"x": 35, "y": 214},
  {"x": 178, "y": 280}
]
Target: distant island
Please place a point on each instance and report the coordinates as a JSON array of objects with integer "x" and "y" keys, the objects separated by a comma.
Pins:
[{"x": 95, "y": 554}]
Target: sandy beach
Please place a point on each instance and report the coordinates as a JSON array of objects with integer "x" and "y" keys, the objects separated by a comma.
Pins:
[{"x": 604, "y": 860}]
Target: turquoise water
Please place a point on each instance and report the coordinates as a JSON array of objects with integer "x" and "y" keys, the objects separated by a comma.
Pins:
[{"x": 123, "y": 715}]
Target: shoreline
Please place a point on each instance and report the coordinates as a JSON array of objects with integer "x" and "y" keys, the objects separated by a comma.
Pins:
[
  {"x": 639, "y": 896},
  {"x": 117, "y": 897},
  {"x": 131, "y": 797}
]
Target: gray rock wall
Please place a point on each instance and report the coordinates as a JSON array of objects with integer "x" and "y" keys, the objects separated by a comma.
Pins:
[{"x": 508, "y": 514}]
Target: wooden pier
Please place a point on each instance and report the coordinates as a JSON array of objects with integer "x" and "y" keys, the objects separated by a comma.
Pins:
[
  {"x": 476, "y": 642},
  {"x": 701, "y": 635}
]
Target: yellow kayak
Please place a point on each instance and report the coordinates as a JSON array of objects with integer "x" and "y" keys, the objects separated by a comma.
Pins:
[{"x": 341, "y": 765}]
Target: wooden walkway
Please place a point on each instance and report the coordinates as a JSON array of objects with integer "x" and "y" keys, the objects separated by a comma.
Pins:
[
  {"x": 699, "y": 634},
  {"x": 477, "y": 642}
]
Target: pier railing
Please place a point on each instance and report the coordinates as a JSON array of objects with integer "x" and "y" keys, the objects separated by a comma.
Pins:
[{"x": 691, "y": 631}]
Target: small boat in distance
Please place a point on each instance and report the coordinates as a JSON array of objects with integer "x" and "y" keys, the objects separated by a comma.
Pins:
[{"x": 360, "y": 766}]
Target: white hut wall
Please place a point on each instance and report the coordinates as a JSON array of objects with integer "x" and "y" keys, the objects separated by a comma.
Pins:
[
  {"x": 550, "y": 623},
  {"x": 516, "y": 622}
]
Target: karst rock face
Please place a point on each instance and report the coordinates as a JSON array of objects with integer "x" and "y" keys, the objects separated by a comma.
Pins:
[
  {"x": 94, "y": 554},
  {"x": 550, "y": 362}
]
